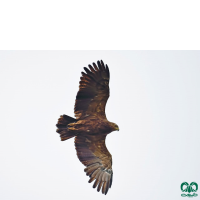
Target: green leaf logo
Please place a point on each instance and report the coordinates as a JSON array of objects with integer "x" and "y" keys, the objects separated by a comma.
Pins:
[{"x": 192, "y": 187}]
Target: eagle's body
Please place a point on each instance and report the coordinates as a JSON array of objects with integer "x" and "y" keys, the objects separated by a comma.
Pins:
[{"x": 91, "y": 126}]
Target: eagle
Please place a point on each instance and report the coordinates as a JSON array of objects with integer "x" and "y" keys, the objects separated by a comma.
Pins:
[{"x": 90, "y": 127}]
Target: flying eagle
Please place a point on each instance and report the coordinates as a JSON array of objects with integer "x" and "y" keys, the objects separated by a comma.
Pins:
[{"x": 91, "y": 126}]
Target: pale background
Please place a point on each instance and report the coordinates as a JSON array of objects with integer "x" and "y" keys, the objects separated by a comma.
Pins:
[{"x": 154, "y": 98}]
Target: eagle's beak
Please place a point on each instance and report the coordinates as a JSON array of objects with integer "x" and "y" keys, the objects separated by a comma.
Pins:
[{"x": 117, "y": 128}]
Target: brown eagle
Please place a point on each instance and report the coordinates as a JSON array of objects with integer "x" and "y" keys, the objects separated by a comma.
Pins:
[{"x": 91, "y": 126}]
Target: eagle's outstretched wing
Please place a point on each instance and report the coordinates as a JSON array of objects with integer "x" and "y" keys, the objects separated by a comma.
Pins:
[
  {"x": 92, "y": 152},
  {"x": 93, "y": 91}
]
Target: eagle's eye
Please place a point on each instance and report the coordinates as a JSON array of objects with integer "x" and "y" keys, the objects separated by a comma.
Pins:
[{"x": 116, "y": 127}]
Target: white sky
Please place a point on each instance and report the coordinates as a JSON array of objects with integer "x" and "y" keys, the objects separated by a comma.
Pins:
[{"x": 154, "y": 98}]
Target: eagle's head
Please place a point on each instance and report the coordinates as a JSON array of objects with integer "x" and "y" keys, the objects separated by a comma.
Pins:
[{"x": 114, "y": 127}]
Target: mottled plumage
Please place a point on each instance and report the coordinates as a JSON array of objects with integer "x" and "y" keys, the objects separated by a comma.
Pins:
[{"x": 91, "y": 126}]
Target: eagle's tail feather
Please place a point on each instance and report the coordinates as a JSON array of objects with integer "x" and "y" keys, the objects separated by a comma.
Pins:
[{"x": 63, "y": 130}]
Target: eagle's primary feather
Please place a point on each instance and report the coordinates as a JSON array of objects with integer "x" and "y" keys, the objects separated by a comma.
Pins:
[{"x": 91, "y": 126}]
